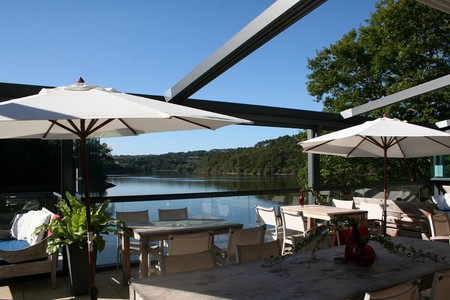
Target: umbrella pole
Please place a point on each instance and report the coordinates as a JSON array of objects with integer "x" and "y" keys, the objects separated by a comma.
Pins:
[
  {"x": 385, "y": 193},
  {"x": 90, "y": 241}
]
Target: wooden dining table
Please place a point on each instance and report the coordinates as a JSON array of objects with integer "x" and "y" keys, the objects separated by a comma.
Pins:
[
  {"x": 327, "y": 213},
  {"x": 297, "y": 277},
  {"x": 159, "y": 231}
]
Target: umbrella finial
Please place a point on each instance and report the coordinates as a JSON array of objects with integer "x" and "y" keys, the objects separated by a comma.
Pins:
[{"x": 80, "y": 81}]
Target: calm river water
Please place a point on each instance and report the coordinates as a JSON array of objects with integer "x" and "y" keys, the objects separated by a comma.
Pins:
[{"x": 240, "y": 209}]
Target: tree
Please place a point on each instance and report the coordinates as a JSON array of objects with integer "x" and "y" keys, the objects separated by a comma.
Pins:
[{"x": 405, "y": 43}]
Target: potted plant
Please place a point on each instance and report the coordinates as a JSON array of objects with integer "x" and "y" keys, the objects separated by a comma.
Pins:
[{"x": 69, "y": 229}]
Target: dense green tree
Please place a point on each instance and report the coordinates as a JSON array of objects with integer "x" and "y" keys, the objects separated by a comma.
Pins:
[
  {"x": 405, "y": 43},
  {"x": 281, "y": 156}
]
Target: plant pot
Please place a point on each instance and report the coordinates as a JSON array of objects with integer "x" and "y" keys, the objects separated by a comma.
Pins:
[{"x": 79, "y": 272}]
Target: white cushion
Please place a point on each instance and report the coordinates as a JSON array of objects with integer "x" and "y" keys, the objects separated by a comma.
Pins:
[
  {"x": 447, "y": 201},
  {"x": 17, "y": 224},
  {"x": 24, "y": 225},
  {"x": 442, "y": 201},
  {"x": 39, "y": 217}
]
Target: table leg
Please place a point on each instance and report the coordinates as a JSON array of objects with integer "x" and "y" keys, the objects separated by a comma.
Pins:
[
  {"x": 125, "y": 259},
  {"x": 309, "y": 223},
  {"x": 143, "y": 257}
]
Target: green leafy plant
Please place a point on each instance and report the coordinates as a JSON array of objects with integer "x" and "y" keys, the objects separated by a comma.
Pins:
[
  {"x": 318, "y": 198},
  {"x": 70, "y": 228}
]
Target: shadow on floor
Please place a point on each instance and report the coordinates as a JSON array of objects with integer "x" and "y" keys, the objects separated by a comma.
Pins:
[{"x": 109, "y": 284}]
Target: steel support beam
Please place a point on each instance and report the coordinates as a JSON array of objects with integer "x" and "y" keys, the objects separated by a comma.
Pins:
[
  {"x": 275, "y": 19},
  {"x": 442, "y": 5},
  {"x": 398, "y": 97}
]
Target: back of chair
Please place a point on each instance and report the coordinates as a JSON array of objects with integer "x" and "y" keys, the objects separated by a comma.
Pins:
[
  {"x": 343, "y": 203},
  {"x": 440, "y": 289},
  {"x": 439, "y": 226},
  {"x": 188, "y": 262},
  {"x": 173, "y": 214},
  {"x": 133, "y": 216},
  {"x": 292, "y": 221},
  {"x": 244, "y": 236},
  {"x": 266, "y": 215},
  {"x": 404, "y": 291},
  {"x": 255, "y": 252},
  {"x": 374, "y": 210},
  {"x": 189, "y": 243},
  {"x": 140, "y": 216},
  {"x": 293, "y": 225}
]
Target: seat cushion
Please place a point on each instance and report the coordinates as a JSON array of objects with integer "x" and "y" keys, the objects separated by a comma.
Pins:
[
  {"x": 13, "y": 244},
  {"x": 442, "y": 201}
]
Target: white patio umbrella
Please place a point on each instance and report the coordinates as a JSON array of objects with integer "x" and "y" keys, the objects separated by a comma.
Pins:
[
  {"x": 83, "y": 111},
  {"x": 383, "y": 137}
]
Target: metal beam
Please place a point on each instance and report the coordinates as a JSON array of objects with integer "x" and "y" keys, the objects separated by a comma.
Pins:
[
  {"x": 442, "y": 5},
  {"x": 263, "y": 28},
  {"x": 261, "y": 115},
  {"x": 277, "y": 117},
  {"x": 397, "y": 97}
]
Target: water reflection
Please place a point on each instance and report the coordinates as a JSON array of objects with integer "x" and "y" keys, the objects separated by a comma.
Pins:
[{"x": 237, "y": 208}]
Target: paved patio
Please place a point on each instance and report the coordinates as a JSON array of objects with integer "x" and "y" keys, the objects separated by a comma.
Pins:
[{"x": 108, "y": 283}]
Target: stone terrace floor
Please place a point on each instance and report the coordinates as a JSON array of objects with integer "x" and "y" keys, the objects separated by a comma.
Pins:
[{"x": 38, "y": 288}]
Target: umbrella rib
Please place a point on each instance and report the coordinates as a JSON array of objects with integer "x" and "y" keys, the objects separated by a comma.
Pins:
[
  {"x": 354, "y": 148},
  {"x": 192, "y": 122},
  {"x": 92, "y": 129},
  {"x": 437, "y": 142},
  {"x": 73, "y": 130},
  {"x": 128, "y": 126},
  {"x": 318, "y": 145},
  {"x": 373, "y": 141}
]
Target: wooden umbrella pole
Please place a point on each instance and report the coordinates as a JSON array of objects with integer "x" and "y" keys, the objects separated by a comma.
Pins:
[
  {"x": 92, "y": 264},
  {"x": 385, "y": 194}
]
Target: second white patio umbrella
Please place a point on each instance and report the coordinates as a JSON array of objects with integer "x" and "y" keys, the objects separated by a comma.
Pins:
[
  {"x": 82, "y": 111},
  {"x": 383, "y": 137}
]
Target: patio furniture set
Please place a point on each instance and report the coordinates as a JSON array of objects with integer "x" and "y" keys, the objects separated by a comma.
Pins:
[
  {"x": 181, "y": 244},
  {"x": 297, "y": 278},
  {"x": 22, "y": 252}
]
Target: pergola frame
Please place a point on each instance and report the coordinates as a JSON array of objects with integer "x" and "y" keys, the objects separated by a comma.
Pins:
[{"x": 274, "y": 20}]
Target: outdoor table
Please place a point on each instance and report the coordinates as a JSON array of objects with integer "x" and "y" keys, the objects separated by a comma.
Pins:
[
  {"x": 296, "y": 277},
  {"x": 327, "y": 213},
  {"x": 160, "y": 230}
]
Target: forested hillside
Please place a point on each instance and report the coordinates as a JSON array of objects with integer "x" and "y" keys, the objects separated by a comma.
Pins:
[{"x": 270, "y": 157}]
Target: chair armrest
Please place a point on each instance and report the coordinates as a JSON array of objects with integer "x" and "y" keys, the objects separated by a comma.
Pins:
[
  {"x": 219, "y": 251},
  {"x": 440, "y": 238},
  {"x": 155, "y": 251}
]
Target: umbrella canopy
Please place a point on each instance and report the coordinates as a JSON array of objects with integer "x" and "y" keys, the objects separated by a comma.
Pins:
[
  {"x": 383, "y": 137},
  {"x": 57, "y": 114},
  {"x": 83, "y": 111}
]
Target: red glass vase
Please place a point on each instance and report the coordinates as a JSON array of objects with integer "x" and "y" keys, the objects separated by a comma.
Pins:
[
  {"x": 301, "y": 199},
  {"x": 364, "y": 255},
  {"x": 353, "y": 239},
  {"x": 356, "y": 249}
]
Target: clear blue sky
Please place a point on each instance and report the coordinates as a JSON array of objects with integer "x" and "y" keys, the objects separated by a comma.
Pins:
[{"x": 147, "y": 46}]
